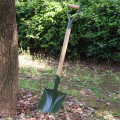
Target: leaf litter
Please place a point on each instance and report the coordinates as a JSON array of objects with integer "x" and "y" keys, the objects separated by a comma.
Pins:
[{"x": 70, "y": 110}]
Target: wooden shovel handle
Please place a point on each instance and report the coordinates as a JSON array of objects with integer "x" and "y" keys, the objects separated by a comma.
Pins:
[
  {"x": 73, "y": 6},
  {"x": 64, "y": 48}
]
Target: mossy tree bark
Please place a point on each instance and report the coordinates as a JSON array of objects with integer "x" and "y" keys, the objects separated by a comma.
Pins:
[{"x": 8, "y": 58}]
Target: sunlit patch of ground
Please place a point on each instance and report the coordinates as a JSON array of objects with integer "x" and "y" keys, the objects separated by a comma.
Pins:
[{"x": 26, "y": 61}]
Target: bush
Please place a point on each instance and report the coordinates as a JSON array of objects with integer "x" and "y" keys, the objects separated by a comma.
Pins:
[
  {"x": 95, "y": 33},
  {"x": 101, "y": 28}
]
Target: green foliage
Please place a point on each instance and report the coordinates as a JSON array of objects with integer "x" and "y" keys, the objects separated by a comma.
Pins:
[{"x": 96, "y": 32}]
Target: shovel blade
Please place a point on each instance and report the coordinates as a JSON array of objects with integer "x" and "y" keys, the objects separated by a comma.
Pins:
[{"x": 48, "y": 103}]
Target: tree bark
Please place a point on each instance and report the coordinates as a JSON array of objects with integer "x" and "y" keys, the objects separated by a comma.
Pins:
[{"x": 8, "y": 58}]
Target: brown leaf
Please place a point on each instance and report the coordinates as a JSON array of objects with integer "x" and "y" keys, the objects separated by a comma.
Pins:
[
  {"x": 32, "y": 119},
  {"x": 80, "y": 110},
  {"x": 67, "y": 117},
  {"x": 52, "y": 117},
  {"x": 74, "y": 106}
]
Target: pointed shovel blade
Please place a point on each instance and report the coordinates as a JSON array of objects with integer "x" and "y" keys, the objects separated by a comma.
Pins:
[
  {"x": 51, "y": 100},
  {"x": 46, "y": 103}
]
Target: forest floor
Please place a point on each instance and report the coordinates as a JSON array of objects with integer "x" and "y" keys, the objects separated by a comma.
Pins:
[{"x": 93, "y": 91}]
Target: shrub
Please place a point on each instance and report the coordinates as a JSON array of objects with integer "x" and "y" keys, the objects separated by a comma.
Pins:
[{"x": 96, "y": 32}]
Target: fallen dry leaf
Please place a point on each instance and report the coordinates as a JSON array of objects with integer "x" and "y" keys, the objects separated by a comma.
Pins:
[{"x": 70, "y": 110}]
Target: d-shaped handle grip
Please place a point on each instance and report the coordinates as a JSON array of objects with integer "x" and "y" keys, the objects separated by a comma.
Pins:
[{"x": 77, "y": 7}]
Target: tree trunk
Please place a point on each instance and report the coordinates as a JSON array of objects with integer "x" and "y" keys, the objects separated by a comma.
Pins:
[{"x": 8, "y": 58}]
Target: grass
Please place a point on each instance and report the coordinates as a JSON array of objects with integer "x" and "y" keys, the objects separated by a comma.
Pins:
[{"x": 37, "y": 73}]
